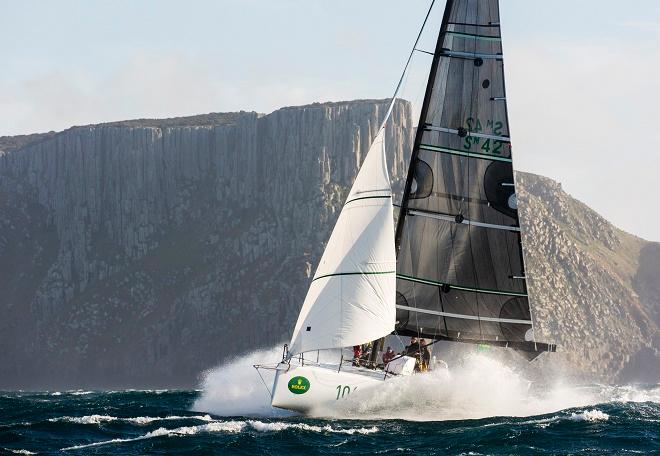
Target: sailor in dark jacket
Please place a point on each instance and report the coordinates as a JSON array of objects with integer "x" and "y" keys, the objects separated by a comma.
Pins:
[{"x": 412, "y": 349}]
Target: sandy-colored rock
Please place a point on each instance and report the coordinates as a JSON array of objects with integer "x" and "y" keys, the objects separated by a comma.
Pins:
[{"x": 593, "y": 288}]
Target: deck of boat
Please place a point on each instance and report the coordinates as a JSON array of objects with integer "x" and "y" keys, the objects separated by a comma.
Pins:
[{"x": 346, "y": 367}]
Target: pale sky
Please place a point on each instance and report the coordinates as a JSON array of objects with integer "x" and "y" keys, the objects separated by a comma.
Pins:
[{"x": 581, "y": 74}]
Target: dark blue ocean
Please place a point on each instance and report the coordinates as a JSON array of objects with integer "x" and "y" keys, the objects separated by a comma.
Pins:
[
  {"x": 479, "y": 407},
  {"x": 161, "y": 422}
]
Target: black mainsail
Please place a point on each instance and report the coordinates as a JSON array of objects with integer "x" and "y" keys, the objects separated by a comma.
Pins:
[{"x": 460, "y": 268}]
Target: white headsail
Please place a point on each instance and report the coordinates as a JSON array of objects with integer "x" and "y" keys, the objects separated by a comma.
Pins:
[{"x": 351, "y": 299}]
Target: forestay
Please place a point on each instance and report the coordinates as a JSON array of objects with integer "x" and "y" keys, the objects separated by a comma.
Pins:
[
  {"x": 460, "y": 271},
  {"x": 351, "y": 299}
]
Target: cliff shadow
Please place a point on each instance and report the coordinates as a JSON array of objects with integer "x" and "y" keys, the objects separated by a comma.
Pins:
[{"x": 644, "y": 366}]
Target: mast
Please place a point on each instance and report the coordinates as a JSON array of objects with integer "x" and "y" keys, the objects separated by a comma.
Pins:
[{"x": 420, "y": 125}]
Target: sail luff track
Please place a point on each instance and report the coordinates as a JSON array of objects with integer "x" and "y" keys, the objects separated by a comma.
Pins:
[{"x": 420, "y": 126}]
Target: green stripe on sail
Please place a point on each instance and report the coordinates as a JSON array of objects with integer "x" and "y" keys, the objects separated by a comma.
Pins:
[
  {"x": 463, "y": 153},
  {"x": 459, "y": 287},
  {"x": 473, "y": 35},
  {"x": 353, "y": 273},
  {"x": 367, "y": 197}
]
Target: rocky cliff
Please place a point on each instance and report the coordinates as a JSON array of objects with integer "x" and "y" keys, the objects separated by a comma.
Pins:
[
  {"x": 140, "y": 253},
  {"x": 595, "y": 289}
]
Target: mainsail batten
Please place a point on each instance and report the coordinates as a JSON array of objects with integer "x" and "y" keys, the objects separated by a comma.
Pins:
[{"x": 458, "y": 222}]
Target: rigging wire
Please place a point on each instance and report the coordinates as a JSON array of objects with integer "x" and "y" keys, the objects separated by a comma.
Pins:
[
  {"x": 263, "y": 381},
  {"x": 396, "y": 92},
  {"x": 405, "y": 68}
]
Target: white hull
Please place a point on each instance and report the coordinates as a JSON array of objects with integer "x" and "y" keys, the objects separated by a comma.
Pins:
[{"x": 302, "y": 388}]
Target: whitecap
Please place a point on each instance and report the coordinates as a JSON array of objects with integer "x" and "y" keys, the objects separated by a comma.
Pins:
[
  {"x": 229, "y": 427},
  {"x": 19, "y": 451},
  {"x": 142, "y": 420},
  {"x": 226, "y": 426},
  {"x": 218, "y": 426},
  {"x": 281, "y": 426},
  {"x": 105, "y": 442},
  {"x": 589, "y": 415},
  {"x": 89, "y": 419},
  {"x": 139, "y": 420}
]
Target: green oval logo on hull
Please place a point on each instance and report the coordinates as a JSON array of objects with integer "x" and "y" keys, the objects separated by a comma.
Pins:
[{"x": 299, "y": 385}]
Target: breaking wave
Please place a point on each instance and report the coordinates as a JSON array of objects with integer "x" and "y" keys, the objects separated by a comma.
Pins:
[
  {"x": 71, "y": 392},
  {"x": 230, "y": 427},
  {"x": 590, "y": 415},
  {"x": 281, "y": 426},
  {"x": 139, "y": 420}
]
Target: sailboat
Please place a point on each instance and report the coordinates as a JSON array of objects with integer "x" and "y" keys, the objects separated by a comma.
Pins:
[{"x": 452, "y": 268}]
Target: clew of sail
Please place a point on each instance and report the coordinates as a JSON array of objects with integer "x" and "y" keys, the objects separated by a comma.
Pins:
[
  {"x": 351, "y": 299},
  {"x": 460, "y": 270}
]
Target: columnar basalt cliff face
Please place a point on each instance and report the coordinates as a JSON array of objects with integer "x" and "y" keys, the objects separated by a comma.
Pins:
[{"x": 140, "y": 253}]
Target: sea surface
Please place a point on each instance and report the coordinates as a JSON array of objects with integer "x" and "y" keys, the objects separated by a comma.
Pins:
[
  {"x": 482, "y": 408},
  {"x": 161, "y": 422}
]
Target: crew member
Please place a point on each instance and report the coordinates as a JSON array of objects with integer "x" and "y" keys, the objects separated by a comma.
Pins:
[
  {"x": 425, "y": 356},
  {"x": 388, "y": 355},
  {"x": 357, "y": 352},
  {"x": 413, "y": 348}
]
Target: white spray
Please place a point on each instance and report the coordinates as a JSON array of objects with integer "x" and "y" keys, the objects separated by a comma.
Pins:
[
  {"x": 235, "y": 388},
  {"x": 476, "y": 387}
]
